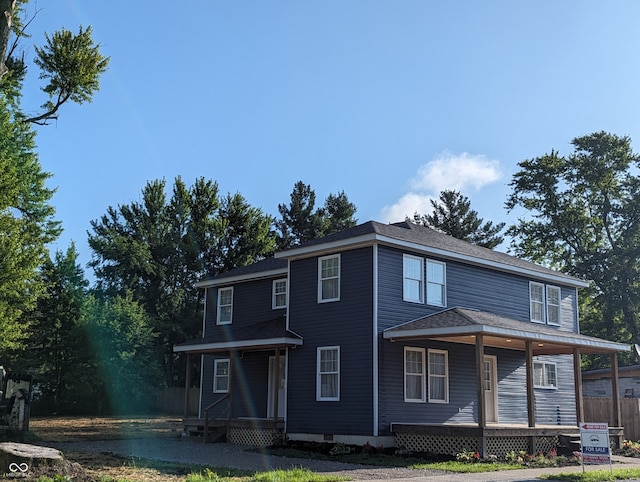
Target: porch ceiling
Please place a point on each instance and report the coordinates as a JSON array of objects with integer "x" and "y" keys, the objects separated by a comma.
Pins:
[{"x": 461, "y": 325}]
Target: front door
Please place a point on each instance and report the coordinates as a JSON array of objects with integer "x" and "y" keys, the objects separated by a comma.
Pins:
[
  {"x": 489, "y": 377},
  {"x": 282, "y": 382}
]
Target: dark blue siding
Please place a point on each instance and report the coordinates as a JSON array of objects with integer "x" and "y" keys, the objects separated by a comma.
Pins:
[
  {"x": 347, "y": 323},
  {"x": 249, "y": 383}
]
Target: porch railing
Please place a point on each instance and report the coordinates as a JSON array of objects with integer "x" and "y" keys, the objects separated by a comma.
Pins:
[{"x": 217, "y": 403}]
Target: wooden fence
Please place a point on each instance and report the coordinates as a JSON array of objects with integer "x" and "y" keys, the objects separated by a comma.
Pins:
[
  {"x": 171, "y": 401},
  {"x": 601, "y": 410}
]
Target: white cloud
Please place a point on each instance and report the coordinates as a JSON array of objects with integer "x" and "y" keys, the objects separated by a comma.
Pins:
[{"x": 461, "y": 172}]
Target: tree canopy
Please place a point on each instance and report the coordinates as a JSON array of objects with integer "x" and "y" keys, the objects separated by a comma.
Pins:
[
  {"x": 452, "y": 215},
  {"x": 300, "y": 221},
  {"x": 582, "y": 216}
]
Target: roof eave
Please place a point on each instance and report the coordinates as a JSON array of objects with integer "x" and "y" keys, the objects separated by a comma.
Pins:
[{"x": 236, "y": 345}]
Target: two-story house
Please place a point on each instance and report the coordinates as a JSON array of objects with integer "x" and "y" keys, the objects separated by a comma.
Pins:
[{"x": 394, "y": 334}]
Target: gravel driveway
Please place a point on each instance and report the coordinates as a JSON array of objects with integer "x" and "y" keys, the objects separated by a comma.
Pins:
[{"x": 194, "y": 452}]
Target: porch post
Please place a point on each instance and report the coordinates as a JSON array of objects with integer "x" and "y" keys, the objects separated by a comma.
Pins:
[
  {"x": 531, "y": 401},
  {"x": 577, "y": 381},
  {"x": 186, "y": 387},
  {"x": 615, "y": 397},
  {"x": 482, "y": 419},
  {"x": 276, "y": 384}
]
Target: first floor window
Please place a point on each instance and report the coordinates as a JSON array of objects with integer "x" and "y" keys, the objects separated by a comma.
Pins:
[
  {"x": 414, "y": 375},
  {"x": 221, "y": 376},
  {"x": 438, "y": 376},
  {"x": 544, "y": 375},
  {"x": 328, "y": 373}
]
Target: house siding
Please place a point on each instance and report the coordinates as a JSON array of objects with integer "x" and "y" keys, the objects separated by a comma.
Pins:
[
  {"x": 504, "y": 294},
  {"x": 347, "y": 323}
]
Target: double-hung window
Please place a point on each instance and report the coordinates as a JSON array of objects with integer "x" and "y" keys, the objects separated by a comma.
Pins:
[
  {"x": 221, "y": 375},
  {"x": 225, "y": 306},
  {"x": 544, "y": 302},
  {"x": 328, "y": 374},
  {"x": 436, "y": 285},
  {"x": 544, "y": 375},
  {"x": 279, "y": 299},
  {"x": 438, "y": 376},
  {"x": 412, "y": 274},
  {"x": 414, "y": 375},
  {"x": 329, "y": 278}
]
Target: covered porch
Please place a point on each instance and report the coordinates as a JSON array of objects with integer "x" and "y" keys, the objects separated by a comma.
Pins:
[
  {"x": 217, "y": 419},
  {"x": 481, "y": 329}
]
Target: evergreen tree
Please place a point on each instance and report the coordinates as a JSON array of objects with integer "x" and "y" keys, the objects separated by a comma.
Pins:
[
  {"x": 299, "y": 222},
  {"x": 452, "y": 215}
]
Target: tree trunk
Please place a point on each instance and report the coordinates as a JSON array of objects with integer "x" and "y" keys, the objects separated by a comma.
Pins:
[{"x": 6, "y": 13}]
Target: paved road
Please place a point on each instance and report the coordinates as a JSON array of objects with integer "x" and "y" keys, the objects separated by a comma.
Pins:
[{"x": 237, "y": 456}]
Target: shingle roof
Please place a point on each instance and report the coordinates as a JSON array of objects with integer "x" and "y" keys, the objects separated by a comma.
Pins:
[{"x": 265, "y": 333}]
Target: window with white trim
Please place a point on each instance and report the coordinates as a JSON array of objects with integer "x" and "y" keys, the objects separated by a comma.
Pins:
[
  {"x": 225, "y": 306},
  {"x": 221, "y": 375},
  {"x": 414, "y": 375},
  {"x": 412, "y": 276},
  {"x": 329, "y": 278},
  {"x": 328, "y": 374},
  {"x": 544, "y": 375},
  {"x": 544, "y": 303},
  {"x": 436, "y": 285},
  {"x": 553, "y": 305},
  {"x": 438, "y": 376},
  {"x": 279, "y": 298}
]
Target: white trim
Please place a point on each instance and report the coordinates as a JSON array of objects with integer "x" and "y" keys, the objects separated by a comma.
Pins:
[
  {"x": 319, "y": 397},
  {"x": 375, "y": 342},
  {"x": 215, "y": 376},
  {"x": 218, "y": 306},
  {"x": 266, "y": 342},
  {"x": 422, "y": 375},
  {"x": 444, "y": 282},
  {"x": 494, "y": 385},
  {"x": 371, "y": 238},
  {"x": 243, "y": 277},
  {"x": 321, "y": 279},
  {"x": 421, "y": 280},
  {"x": 273, "y": 294},
  {"x": 541, "y": 302},
  {"x": 545, "y": 385},
  {"x": 435, "y": 351},
  {"x": 547, "y": 304}
]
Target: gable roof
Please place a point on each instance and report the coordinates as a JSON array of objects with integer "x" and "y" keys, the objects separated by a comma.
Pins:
[
  {"x": 407, "y": 235},
  {"x": 462, "y": 324},
  {"x": 402, "y": 235}
]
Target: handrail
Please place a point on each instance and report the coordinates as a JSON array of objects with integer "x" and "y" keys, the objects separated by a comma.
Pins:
[{"x": 206, "y": 414}]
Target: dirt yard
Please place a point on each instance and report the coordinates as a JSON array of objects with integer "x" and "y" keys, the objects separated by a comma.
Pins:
[{"x": 88, "y": 467}]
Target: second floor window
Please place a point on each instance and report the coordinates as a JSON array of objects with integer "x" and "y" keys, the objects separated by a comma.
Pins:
[
  {"x": 412, "y": 274},
  {"x": 436, "y": 286},
  {"x": 329, "y": 278},
  {"x": 544, "y": 302},
  {"x": 225, "y": 305},
  {"x": 279, "y": 294}
]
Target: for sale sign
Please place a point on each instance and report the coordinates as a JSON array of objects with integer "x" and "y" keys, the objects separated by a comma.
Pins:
[{"x": 594, "y": 439}]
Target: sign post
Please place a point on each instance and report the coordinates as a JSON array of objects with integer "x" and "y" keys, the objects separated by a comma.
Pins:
[{"x": 594, "y": 441}]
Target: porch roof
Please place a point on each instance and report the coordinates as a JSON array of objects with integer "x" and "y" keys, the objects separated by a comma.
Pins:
[
  {"x": 461, "y": 325},
  {"x": 259, "y": 336}
]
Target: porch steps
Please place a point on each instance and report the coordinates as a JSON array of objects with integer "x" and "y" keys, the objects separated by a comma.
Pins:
[{"x": 195, "y": 428}]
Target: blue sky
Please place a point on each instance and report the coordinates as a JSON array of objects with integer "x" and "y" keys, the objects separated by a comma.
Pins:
[{"x": 388, "y": 101}]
